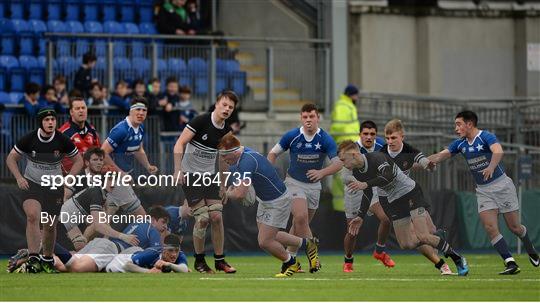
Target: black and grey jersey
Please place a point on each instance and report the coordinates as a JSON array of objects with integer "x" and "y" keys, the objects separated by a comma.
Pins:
[
  {"x": 406, "y": 157},
  {"x": 44, "y": 155},
  {"x": 379, "y": 170},
  {"x": 201, "y": 152},
  {"x": 86, "y": 200}
]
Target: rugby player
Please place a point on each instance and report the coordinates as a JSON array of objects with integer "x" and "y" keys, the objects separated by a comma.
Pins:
[
  {"x": 249, "y": 168},
  {"x": 151, "y": 260},
  {"x": 495, "y": 191},
  {"x": 44, "y": 150},
  {"x": 308, "y": 147},
  {"x": 406, "y": 205},
  {"x": 195, "y": 157},
  {"x": 124, "y": 143}
]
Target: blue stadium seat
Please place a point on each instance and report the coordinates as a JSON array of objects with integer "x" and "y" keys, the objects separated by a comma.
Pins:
[
  {"x": 37, "y": 75},
  {"x": 176, "y": 64},
  {"x": 232, "y": 66},
  {"x": 137, "y": 48},
  {"x": 3, "y": 77},
  {"x": 26, "y": 44},
  {"x": 201, "y": 83},
  {"x": 162, "y": 65},
  {"x": 127, "y": 11},
  {"x": 119, "y": 48},
  {"x": 2, "y": 10},
  {"x": 197, "y": 64},
  {"x": 238, "y": 82},
  {"x": 122, "y": 68},
  {"x": 67, "y": 65},
  {"x": 221, "y": 82},
  {"x": 35, "y": 9},
  {"x": 147, "y": 28},
  {"x": 74, "y": 27},
  {"x": 8, "y": 44},
  {"x": 28, "y": 62},
  {"x": 54, "y": 10},
  {"x": 15, "y": 97},
  {"x": 20, "y": 26},
  {"x": 56, "y": 26},
  {"x": 146, "y": 12},
  {"x": 112, "y": 27},
  {"x": 63, "y": 47},
  {"x": 93, "y": 27},
  {"x": 109, "y": 10},
  {"x": 41, "y": 46},
  {"x": 9, "y": 62},
  {"x": 143, "y": 67},
  {"x": 101, "y": 63},
  {"x": 221, "y": 65},
  {"x": 38, "y": 27},
  {"x": 130, "y": 28},
  {"x": 100, "y": 47},
  {"x": 73, "y": 10},
  {"x": 16, "y": 9},
  {"x": 6, "y": 26},
  {"x": 90, "y": 10},
  {"x": 4, "y": 98},
  {"x": 18, "y": 79},
  {"x": 82, "y": 47},
  {"x": 42, "y": 61}
]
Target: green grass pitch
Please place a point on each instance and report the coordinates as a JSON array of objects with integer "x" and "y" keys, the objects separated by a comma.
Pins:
[{"x": 413, "y": 279}]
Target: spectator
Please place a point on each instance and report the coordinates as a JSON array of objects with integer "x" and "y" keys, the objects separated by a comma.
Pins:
[
  {"x": 30, "y": 99},
  {"x": 120, "y": 99},
  {"x": 97, "y": 98},
  {"x": 154, "y": 95},
  {"x": 172, "y": 18},
  {"x": 139, "y": 89},
  {"x": 59, "y": 84},
  {"x": 83, "y": 77},
  {"x": 74, "y": 93},
  {"x": 167, "y": 103},
  {"x": 194, "y": 21},
  {"x": 186, "y": 112},
  {"x": 48, "y": 99}
]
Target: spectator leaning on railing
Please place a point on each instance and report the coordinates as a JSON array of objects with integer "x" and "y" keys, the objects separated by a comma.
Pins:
[
  {"x": 48, "y": 99},
  {"x": 154, "y": 95},
  {"x": 59, "y": 84},
  {"x": 30, "y": 99},
  {"x": 168, "y": 103},
  {"x": 120, "y": 99},
  {"x": 186, "y": 112}
]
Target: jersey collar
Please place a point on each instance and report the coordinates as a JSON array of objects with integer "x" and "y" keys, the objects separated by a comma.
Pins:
[
  {"x": 40, "y": 138},
  {"x": 136, "y": 129},
  {"x": 370, "y": 150},
  {"x": 214, "y": 122},
  {"x": 394, "y": 154},
  {"x": 309, "y": 138},
  {"x": 477, "y": 135}
]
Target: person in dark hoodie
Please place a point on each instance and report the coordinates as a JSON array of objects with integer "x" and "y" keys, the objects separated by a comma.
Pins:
[
  {"x": 83, "y": 77},
  {"x": 186, "y": 111},
  {"x": 48, "y": 99},
  {"x": 121, "y": 99},
  {"x": 168, "y": 105}
]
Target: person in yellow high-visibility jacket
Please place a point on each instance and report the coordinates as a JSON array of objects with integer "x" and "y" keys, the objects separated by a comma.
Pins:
[{"x": 345, "y": 126}]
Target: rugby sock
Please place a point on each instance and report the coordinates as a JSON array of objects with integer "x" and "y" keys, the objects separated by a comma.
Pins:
[
  {"x": 348, "y": 259},
  {"x": 447, "y": 250},
  {"x": 63, "y": 254},
  {"x": 47, "y": 259},
  {"x": 439, "y": 264},
  {"x": 219, "y": 258},
  {"x": 33, "y": 256},
  {"x": 304, "y": 244},
  {"x": 379, "y": 248},
  {"x": 199, "y": 257},
  {"x": 293, "y": 253},
  {"x": 290, "y": 261},
  {"x": 502, "y": 248},
  {"x": 527, "y": 242}
]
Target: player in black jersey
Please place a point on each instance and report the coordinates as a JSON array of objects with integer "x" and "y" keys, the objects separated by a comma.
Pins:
[
  {"x": 406, "y": 205},
  {"x": 44, "y": 150},
  {"x": 407, "y": 157},
  {"x": 195, "y": 160},
  {"x": 86, "y": 201}
]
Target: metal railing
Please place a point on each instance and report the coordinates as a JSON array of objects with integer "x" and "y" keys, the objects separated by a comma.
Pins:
[{"x": 296, "y": 69}]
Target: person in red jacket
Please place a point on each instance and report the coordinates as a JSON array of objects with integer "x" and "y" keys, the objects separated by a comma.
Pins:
[{"x": 80, "y": 132}]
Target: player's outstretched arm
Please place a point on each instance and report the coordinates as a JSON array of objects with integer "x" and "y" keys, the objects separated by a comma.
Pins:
[
  {"x": 108, "y": 149},
  {"x": 496, "y": 158},
  {"x": 11, "y": 162},
  {"x": 78, "y": 164},
  {"x": 132, "y": 267},
  {"x": 106, "y": 230},
  {"x": 317, "y": 175},
  {"x": 440, "y": 156}
]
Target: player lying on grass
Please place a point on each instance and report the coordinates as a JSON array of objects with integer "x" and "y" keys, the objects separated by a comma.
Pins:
[
  {"x": 495, "y": 191},
  {"x": 405, "y": 201},
  {"x": 368, "y": 142},
  {"x": 407, "y": 157},
  {"x": 249, "y": 168},
  {"x": 308, "y": 147},
  {"x": 99, "y": 252},
  {"x": 151, "y": 260}
]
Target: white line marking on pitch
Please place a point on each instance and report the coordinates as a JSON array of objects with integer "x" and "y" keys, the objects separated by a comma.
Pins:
[{"x": 372, "y": 279}]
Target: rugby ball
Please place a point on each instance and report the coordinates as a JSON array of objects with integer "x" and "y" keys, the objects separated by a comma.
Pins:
[{"x": 250, "y": 197}]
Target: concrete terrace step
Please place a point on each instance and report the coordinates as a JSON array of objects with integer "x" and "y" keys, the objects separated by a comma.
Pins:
[
  {"x": 260, "y": 82},
  {"x": 278, "y": 93},
  {"x": 245, "y": 58}
]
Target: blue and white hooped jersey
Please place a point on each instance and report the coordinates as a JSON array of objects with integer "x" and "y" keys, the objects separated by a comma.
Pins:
[
  {"x": 125, "y": 139},
  {"x": 377, "y": 145},
  {"x": 147, "y": 235},
  {"x": 148, "y": 257},
  {"x": 264, "y": 177},
  {"x": 478, "y": 155},
  {"x": 307, "y": 153},
  {"x": 176, "y": 224}
]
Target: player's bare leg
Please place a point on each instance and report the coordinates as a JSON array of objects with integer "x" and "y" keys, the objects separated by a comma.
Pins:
[
  {"x": 349, "y": 243},
  {"x": 300, "y": 222},
  {"x": 489, "y": 219},
  {"x": 202, "y": 220},
  {"x": 514, "y": 224},
  {"x": 32, "y": 209},
  {"x": 382, "y": 235},
  {"x": 83, "y": 264},
  {"x": 218, "y": 235}
]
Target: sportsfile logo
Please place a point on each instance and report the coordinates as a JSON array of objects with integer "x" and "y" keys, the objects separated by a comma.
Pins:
[{"x": 113, "y": 179}]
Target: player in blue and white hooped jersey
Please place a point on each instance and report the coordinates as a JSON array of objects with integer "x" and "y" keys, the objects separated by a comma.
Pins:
[
  {"x": 168, "y": 258},
  {"x": 99, "y": 252},
  {"x": 369, "y": 142},
  {"x": 123, "y": 145},
  {"x": 250, "y": 168},
  {"x": 495, "y": 191},
  {"x": 308, "y": 147}
]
